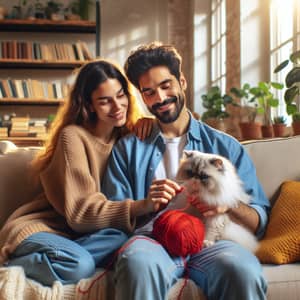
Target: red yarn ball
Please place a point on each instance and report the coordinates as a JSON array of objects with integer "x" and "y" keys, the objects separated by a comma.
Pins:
[{"x": 180, "y": 233}]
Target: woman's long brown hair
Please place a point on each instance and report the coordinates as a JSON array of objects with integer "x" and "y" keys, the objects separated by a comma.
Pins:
[{"x": 76, "y": 110}]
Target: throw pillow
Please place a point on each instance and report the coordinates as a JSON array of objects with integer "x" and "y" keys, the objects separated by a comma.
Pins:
[{"x": 281, "y": 243}]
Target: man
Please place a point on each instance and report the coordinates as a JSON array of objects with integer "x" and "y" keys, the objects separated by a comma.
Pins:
[{"x": 224, "y": 271}]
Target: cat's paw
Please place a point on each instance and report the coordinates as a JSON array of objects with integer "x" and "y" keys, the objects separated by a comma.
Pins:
[{"x": 208, "y": 243}]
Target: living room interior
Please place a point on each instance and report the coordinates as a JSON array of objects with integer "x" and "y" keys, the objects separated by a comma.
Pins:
[
  {"x": 229, "y": 47},
  {"x": 224, "y": 45}
]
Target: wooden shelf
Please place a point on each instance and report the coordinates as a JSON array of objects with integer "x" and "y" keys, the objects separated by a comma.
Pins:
[
  {"x": 41, "y": 25},
  {"x": 39, "y": 64},
  {"x": 28, "y": 101},
  {"x": 25, "y": 141}
]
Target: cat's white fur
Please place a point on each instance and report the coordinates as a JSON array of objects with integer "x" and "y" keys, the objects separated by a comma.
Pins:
[{"x": 220, "y": 186}]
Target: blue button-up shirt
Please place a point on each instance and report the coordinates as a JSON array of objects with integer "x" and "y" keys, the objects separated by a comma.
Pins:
[{"x": 133, "y": 162}]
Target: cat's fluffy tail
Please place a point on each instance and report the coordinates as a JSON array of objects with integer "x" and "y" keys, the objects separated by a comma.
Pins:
[{"x": 241, "y": 235}]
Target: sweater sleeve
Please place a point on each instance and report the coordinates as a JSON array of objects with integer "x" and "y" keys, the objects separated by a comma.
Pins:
[{"x": 72, "y": 188}]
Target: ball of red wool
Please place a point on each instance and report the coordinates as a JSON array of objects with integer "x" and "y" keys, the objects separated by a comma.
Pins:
[{"x": 180, "y": 233}]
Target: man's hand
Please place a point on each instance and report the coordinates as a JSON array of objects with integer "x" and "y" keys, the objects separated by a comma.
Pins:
[
  {"x": 204, "y": 209},
  {"x": 160, "y": 193}
]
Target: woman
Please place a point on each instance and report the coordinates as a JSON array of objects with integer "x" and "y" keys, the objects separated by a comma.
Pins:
[{"x": 71, "y": 227}]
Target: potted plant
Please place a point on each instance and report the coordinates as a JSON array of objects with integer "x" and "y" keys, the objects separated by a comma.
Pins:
[
  {"x": 292, "y": 92},
  {"x": 250, "y": 128},
  {"x": 260, "y": 100},
  {"x": 279, "y": 126},
  {"x": 80, "y": 8},
  {"x": 266, "y": 100},
  {"x": 52, "y": 10},
  {"x": 215, "y": 104},
  {"x": 17, "y": 11},
  {"x": 296, "y": 123}
]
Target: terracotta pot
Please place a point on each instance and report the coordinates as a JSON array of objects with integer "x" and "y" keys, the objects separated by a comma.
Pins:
[
  {"x": 296, "y": 127},
  {"x": 216, "y": 123},
  {"x": 250, "y": 131},
  {"x": 279, "y": 130},
  {"x": 267, "y": 131}
]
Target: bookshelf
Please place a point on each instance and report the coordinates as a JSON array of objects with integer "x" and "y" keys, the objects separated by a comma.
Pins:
[{"x": 54, "y": 67}]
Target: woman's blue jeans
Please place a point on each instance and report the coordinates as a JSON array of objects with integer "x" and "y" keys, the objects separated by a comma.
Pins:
[
  {"x": 224, "y": 271},
  {"x": 47, "y": 257}
]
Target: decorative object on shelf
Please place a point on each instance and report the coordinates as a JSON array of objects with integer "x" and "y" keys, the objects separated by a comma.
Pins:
[
  {"x": 292, "y": 92},
  {"x": 279, "y": 126},
  {"x": 54, "y": 10},
  {"x": 215, "y": 104},
  {"x": 39, "y": 10},
  {"x": 80, "y": 8},
  {"x": 3, "y": 12}
]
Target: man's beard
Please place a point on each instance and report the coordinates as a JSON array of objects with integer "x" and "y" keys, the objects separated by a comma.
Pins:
[{"x": 168, "y": 116}]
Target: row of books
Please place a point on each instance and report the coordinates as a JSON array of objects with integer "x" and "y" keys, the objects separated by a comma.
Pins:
[
  {"x": 33, "y": 89},
  {"x": 25, "y": 127},
  {"x": 51, "y": 52}
]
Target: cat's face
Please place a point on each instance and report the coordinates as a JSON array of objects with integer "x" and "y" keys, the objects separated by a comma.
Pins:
[{"x": 201, "y": 173}]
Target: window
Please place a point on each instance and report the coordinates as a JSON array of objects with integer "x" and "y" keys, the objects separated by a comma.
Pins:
[
  {"x": 218, "y": 44},
  {"x": 284, "y": 38}
]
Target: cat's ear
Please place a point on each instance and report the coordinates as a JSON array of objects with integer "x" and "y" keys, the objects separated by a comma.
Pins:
[
  {"x": 187, "y": 154},
  {"x": 218, "y": 163}
]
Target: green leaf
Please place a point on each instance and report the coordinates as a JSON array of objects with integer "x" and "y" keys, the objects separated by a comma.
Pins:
[
  {"x": 273, "y": 102},
  {"x": 295, "y": 57},
  {"x": 292, "y": 77},
  {"x": 246, "y": 86},
  {"x": 277, "y": 85},
  {"x": 290, "y": 94},
  {"x": 281, "y": 66},
  {"x": 260, "y": 110},
  {"x": 264, "y": 86},
  {"x": 291, "y": 109},
  {"x": 296, "y": 116},
  {"x": 237, "y": 92}
]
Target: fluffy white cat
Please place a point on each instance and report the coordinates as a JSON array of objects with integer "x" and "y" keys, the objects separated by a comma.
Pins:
[{"x": 214, "y": 180}]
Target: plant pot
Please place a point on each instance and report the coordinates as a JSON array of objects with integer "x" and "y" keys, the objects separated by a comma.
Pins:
[
  {"x": 279, "y": 130},
  {"x": 250, "y": 131},
  {"x": 267, "y": 131},
  {"x": 296, "y": 127},
  {"x": 216, "y": 123}
]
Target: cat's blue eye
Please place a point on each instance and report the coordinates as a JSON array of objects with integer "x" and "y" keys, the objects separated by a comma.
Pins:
[
  {"x": 203, "y": 176},
  {"x": 189, "y": 173}
]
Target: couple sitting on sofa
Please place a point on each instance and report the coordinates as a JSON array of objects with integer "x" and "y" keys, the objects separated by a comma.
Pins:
[{"x": 76, "y": 225}]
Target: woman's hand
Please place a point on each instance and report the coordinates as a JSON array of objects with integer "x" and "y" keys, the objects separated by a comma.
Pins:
[
  {"x": 143, "y": 127},
  {"x": 161, "y": 193}
]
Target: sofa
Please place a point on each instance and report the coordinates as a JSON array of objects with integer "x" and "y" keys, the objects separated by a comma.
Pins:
[{"x": 277, "y": 161}]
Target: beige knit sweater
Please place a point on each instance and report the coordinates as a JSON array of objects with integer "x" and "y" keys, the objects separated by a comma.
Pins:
[{"x": 71, "y": 203}]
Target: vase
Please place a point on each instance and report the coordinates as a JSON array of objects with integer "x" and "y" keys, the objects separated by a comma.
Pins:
[
  {"x": 279, "y": 130},
  {"x": 267, "y": 131},
  {"x": 296, "y": 127},
  {"x": 250, "y": 131}
]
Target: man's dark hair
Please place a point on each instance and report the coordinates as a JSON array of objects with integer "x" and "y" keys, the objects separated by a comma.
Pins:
[{"x": 147, "y": 56}]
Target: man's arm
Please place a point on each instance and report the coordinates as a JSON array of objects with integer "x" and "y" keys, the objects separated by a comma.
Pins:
[{"x": 245, "y": 215}]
